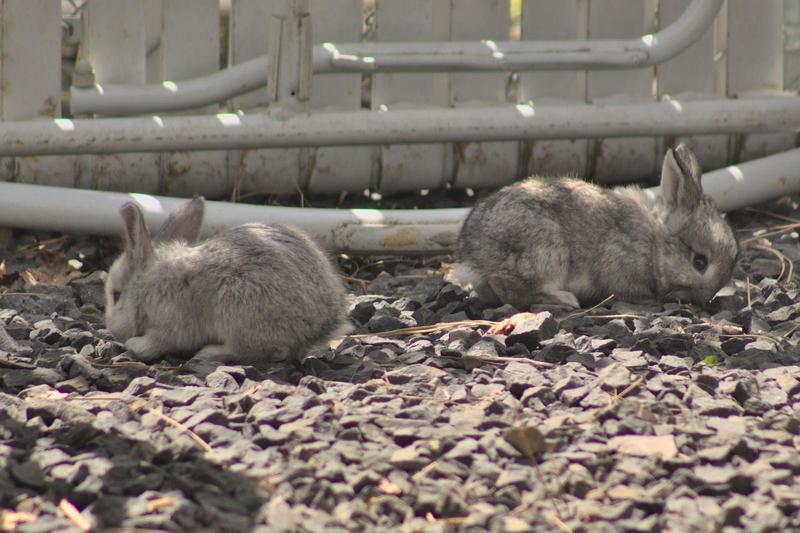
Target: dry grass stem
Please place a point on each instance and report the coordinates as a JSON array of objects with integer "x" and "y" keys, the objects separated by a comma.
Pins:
[
  {"x": 780, "y": 257},
  {"x": 627, "y": 390},
  {"x": 500, "y": 360},
  {"x": 773, "y": 215},
  {"x": 135, "y": 406},
  {"x": 425, "y": 329},
  {"x": 584, "y": 311},
  {"x": 74, "y": 516},
  {"x": 618, "y": 316},
  {"x": 749, "y": 298},
  {"x": 791, "y": 331}
]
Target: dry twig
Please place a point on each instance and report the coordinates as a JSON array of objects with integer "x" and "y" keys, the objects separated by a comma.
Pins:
[
  {"x": 425, "y": 329},
  {"x": 74, "y": 515}
]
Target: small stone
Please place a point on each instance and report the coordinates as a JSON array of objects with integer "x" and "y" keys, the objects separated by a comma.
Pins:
[
  {"x": 28, "y": 474},
  {"x": 363, "y": 307},
  {"x": 615, "y": 377},
  {"x": 408, "y": 458},
  {"x": 499, "y": 313},
  {"x": 414, "y": 373},
  {"x": 45, "y": 331},
  {"x": 670, "y": 363},
  {"x": 631, "y": 359},
  {"x": 531, "y": 329}
]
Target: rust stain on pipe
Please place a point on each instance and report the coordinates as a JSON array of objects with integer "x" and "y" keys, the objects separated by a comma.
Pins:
[{"x": 402, "y": 238}]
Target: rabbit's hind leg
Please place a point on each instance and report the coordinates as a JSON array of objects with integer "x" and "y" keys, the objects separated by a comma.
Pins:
[
  {"x": 511, "y": 290},
  {"x": 557, "y": 297},
  {"x": 522, "y": 294}
]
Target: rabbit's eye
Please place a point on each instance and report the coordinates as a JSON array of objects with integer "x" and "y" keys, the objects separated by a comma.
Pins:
[
  {"x": 700, "y": 262},
  {"x": 115, "y": 296}
]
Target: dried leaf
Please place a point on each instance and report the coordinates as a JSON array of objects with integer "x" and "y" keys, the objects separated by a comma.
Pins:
[
  {"x": 387, "y": 487},
  {"x": 527, "y": 440},
  {"x": 158, "y": 503},
  {"x": 55, "y": 270},
  {"x": 506, "y": 326},
  {"x": 645, "y": 445}
]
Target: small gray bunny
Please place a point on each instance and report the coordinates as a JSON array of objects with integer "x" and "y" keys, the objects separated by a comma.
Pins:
[
  {"x": 254, "y": 293},
  {"x": 565, "y": 241}
]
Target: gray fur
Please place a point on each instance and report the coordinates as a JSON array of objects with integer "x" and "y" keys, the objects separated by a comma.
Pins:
[
  {"x": 565, "y": 241},
  {"x": 254, "y": 293}
]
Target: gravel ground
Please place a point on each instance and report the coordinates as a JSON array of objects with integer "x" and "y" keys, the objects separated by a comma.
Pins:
[{"x": 619, "y": 418}]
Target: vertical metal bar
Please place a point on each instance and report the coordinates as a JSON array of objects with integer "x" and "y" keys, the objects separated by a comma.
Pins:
[
  {"x": 554, "y": 20},
  {"x": 630, "y": 158},
  {"x": 755, "y": 67},
  {"x": 691, "y": 75},
  {"x": 289, "y": 76},
  {"x": 30, "y": 76},
  {"x": 485, "y": 164},
  {"x": 247, "y": 39},
  {"x": 114, "y": 44},
  {"x": 340, "y": 168},
  {"x": 189, "y": 47},
  {"x": 405, "y": 167}
]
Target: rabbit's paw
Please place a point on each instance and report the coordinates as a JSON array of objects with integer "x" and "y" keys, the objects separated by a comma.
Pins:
[
  {"x": 217, "y": 353},
  {"x": 145, "y": 348},
  {"x": 562, "y": 297}
]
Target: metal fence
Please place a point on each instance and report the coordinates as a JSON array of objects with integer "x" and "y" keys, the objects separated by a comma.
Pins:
[
  {"x": 162, "y": 42},
  {"x": 247, "y": 97}
]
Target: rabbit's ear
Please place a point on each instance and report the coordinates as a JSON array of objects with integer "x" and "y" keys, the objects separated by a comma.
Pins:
[
  {"x": 138, "y": 245},
  {"x": 183, "y": 223},
  {"x": 680, "y": 179}
]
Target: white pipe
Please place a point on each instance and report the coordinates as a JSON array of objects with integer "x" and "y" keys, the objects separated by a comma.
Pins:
[
  {"x": 348, "y": 230},
  {"x": 418, "y": 57},
  {"x": 507, "y": 123},
  {"x": 602, "y": 54},
  {"x": 68, "y": 210},
  {"x": 170, "y": 96},
  {"x": 752, "y": 182}
]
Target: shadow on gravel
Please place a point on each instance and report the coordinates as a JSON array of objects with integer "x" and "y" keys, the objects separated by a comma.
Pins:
[{"x": 48, "y": 455}]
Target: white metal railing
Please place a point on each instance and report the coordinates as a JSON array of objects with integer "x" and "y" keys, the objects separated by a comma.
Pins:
[
  {"x": 377, "y": 125},
  {"x": 331, "y": 58}
]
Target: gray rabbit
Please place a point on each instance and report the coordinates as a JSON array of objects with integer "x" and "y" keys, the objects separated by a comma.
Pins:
[
  {"x": 254, "y": 293},
  {"x": 565, "y": 241}
]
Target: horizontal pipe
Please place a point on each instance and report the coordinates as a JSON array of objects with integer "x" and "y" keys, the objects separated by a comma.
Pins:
[
  {"x": 648, "y": 50},
  {"x": 599, "y": 54},
  {"x": 357, "y": 231},
  {"x": 169, "y": 96},
  {"x": 753, "y": 182},
  {"x": 508, "y": 123},
  {"x": 63, "y": 209}
]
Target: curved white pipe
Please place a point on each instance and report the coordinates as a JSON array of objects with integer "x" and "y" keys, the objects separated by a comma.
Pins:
[
  {"x": 348, "y": 230},
  {"x": 170, "y": 96},
  {"x": 417, "y": 57},
  {"x": 600, "y": 54},
  {"x": 337, "y": 128}
]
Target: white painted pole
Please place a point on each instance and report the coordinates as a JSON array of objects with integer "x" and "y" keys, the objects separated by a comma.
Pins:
[
  {"x": 281, "y": 129},
  {"x": 348, "y": 230}
]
